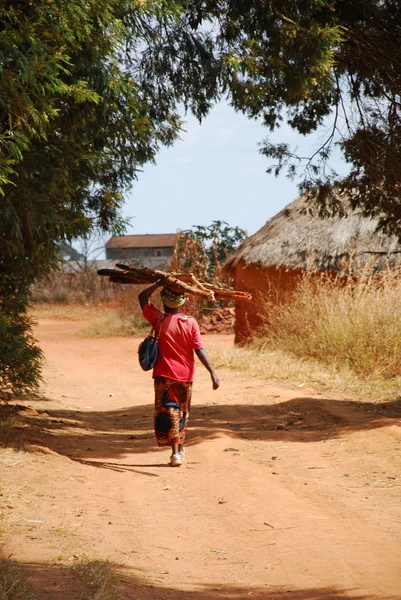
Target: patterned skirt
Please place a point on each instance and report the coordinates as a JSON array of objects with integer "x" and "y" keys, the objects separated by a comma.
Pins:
[{"x": 172, "y": 405}]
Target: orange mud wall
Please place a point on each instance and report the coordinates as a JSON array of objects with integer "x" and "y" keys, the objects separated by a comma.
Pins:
[{"x": 273, "y": 284}]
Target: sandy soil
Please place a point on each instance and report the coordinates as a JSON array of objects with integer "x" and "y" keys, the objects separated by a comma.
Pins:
[{"x": 287, "y": 492}]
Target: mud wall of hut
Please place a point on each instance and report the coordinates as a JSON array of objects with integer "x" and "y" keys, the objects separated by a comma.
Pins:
[{"x": 273, "y": 284}]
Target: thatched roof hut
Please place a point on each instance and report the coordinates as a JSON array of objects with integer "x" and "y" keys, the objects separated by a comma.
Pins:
[
  {"x": 294, "y": 239},
  {"x": 273, "y": 259}
]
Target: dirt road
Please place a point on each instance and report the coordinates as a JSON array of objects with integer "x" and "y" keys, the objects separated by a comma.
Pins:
[{"x": 287, "y": 492}]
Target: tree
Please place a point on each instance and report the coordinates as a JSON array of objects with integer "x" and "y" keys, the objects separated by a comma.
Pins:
[
  {"x": 304, "y": 62},
  {"x": 202, "y": 249},
  {"x": 67, "y": 252},
  {"x": 87, "y": 250},
  {"x": 76, "y": 127}
]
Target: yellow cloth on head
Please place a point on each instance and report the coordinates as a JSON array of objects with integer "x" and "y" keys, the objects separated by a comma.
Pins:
[{"x": 171, "y": 299}]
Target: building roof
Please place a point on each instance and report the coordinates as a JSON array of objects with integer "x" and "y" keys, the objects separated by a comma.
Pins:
[
  {"x": 148, "y": 240},
  {"x": 295, "y": 239}
]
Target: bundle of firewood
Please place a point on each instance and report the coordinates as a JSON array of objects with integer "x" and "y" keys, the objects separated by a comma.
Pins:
[{"x": 177, "y": 282}]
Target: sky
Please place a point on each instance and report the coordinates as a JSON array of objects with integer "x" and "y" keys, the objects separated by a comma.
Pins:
[{"x": 214, "y": 172}]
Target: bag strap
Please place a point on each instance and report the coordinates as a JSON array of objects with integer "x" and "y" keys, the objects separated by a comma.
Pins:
[
  {"x": 153, "y": 330},
  {"x": 162, "y": 315}
]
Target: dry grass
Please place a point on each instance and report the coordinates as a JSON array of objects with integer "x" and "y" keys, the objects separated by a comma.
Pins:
[
  {"x": 346, "y": 323},
  {"x": 67, "y": 312},
  {"x": 262, "y": 363},
  {"x": 122, "y": 317},
  {"x": 10, "y": 424},
  {"x": 96, "y": 579},
  {"x": 99, "y": 579},
  {"x": 113, "y": 324},
  {"x": 14, "y": 584}
]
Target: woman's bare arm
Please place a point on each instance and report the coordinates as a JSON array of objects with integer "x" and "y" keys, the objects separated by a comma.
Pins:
[
  {"x": 201, "y": 354},
  {"x": 144, "y": 296}
]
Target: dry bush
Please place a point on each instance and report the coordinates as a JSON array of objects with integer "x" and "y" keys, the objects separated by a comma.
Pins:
[
  {"x": 68, "y": 288},
  {"x": 191, "y": 256},
  {"x": 128, "y": 304},
  {"x": 113, "y": 309},
  {"x": 350, "y": 321},
  {"x": 10, "y": 420}
]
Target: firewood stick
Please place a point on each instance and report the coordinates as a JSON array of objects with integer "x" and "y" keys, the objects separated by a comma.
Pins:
[
  {"x": 209, "y": 295},
  {"x": 197, "y": 282},
  {"x": 176, "y": 281},
  {"x": 155, "y": 274},
  {"x": 176, "y": 284}
]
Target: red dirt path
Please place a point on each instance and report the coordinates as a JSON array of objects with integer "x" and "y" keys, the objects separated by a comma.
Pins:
[{"x": 287, "y": 492}]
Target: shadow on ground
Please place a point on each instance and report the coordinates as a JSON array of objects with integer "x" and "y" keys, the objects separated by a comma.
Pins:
[
  {"x": 61, "y": 583},
  {"x": 86, "y": 436}
]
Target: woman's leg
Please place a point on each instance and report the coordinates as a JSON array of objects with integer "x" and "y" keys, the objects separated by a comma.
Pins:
[{"x": 175, "y": 459}]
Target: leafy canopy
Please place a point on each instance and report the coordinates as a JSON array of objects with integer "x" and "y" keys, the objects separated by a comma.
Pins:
[
  {"x": 307, "y": 63},
  {"x": 76, "y": 128}
]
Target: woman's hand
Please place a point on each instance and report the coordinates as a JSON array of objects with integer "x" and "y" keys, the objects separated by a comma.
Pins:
[
  {"x": 215, "y": 381},
  {"x": 163, "y": 280},
  {"x": 201, "y": 354}
]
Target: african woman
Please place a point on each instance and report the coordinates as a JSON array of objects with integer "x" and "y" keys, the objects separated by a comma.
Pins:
[{"x": 173, "y": 374}]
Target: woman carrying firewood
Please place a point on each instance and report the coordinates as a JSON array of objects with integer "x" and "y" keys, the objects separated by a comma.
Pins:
[{"x": 173, "y": 374}]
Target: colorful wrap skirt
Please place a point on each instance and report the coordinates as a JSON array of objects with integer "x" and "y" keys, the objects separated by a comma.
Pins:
[{"x": 172, "y": 405}]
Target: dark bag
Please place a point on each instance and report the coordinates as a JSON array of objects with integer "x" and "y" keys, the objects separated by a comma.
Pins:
[{"x": 148, "y": 349}]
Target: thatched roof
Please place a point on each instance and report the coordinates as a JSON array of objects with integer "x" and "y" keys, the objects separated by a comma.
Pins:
[{"x": 295, "y": 240}]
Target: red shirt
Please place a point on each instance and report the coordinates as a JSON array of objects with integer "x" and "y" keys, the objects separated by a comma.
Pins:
[{"x": 178, "y": 339}]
